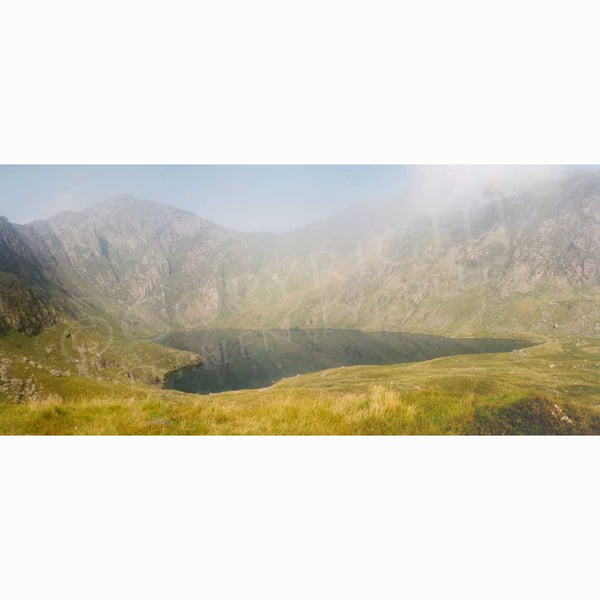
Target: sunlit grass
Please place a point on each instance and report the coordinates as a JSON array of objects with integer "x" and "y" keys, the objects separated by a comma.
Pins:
[{"x": 551, "y": 388}]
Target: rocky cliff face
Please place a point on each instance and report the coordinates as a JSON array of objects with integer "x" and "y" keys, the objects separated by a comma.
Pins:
[
  {"x": 146, "y": 264},
  {"x": 24, "y": 299}
]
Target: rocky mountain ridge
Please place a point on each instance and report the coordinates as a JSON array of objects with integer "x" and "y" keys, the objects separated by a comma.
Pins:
[{"x": 503, "y": 263}]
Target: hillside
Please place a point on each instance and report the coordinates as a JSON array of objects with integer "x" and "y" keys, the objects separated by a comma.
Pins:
[
  {"x": 25, "y": 288},
  {"x": 503, "y": 264}
]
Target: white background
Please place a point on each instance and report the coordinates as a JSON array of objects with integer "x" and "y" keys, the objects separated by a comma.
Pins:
[{"x": 303, "y": 82}]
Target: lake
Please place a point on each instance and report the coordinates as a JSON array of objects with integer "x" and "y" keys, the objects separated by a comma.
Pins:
[{"x": 245, "y": 359}]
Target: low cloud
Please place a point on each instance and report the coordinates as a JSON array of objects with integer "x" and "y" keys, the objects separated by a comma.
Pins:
[{"x": 448, "y": 186}]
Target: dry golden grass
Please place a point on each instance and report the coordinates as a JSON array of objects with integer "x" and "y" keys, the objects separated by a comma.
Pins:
[{"x": 495, "y": 393}]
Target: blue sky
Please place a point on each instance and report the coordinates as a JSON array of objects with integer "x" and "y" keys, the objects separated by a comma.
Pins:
[{"x": 247, "y": 198}]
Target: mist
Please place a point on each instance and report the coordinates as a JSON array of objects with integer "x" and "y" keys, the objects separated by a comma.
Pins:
[{"x": 444, "y": 187}]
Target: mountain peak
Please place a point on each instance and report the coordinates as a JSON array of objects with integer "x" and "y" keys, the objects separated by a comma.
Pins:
[
  {"x": 129, "y": 202},
  {"x": 124, "y": 211}
]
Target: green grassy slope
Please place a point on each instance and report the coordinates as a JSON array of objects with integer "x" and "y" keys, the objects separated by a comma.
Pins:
[
  {"x": 83, "y": 358},
  {"x": 553, "y": 388}
]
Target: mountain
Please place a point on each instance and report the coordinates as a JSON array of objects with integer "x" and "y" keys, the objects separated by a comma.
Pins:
[
  {"x": 507, "y": 262},
  {"x": 25, "y": 289},
  {"x": 504, "y": 263},
  {"x": 135, "y": 260}
]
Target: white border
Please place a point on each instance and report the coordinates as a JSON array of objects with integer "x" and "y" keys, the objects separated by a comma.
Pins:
[
  {"x": 311, "y": 517},
  {"x": 311, "y": 82}
]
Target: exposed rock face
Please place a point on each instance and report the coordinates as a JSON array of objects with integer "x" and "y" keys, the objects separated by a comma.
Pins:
[
  {"x": 124, "y": 246},
  {"x": 16, "y": 389},
  {"x": 22, "y": 310},
  {"x": 24, "y": 303},
  {"x": 139, "y": 260},
  {"x": 16, "y": 256}
]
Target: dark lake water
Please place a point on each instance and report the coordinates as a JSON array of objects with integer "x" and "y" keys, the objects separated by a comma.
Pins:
[{"x": 242, "y": 359}]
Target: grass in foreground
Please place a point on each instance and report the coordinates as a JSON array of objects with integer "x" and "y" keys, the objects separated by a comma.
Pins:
[{"x": 553, "y": 388}]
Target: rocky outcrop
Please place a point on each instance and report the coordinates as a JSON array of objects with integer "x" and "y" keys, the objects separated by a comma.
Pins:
[
  {"x": 21, "y": 309},
  {"x": 15, "y": 389}
]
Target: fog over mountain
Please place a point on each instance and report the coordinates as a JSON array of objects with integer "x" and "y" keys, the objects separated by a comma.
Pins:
[
  {"x": 455, "y": 186},
  {"x": 253, "y": 198},
  {"x": 458, "y": 250}
]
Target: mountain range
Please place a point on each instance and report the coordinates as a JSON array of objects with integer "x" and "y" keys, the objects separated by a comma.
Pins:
[{"x": 504, "y": 263}]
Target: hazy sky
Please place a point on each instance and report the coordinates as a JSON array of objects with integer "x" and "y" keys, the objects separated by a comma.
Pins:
[{"x": 247, "y": 198}]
